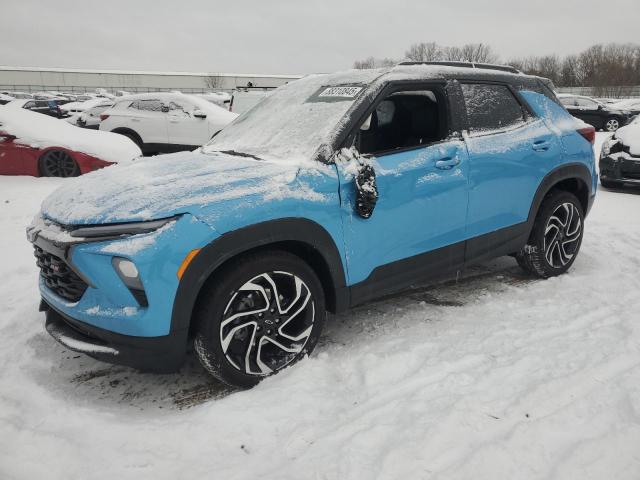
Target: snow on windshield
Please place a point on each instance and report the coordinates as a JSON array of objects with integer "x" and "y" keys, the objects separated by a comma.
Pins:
[{"x": 292, "y": 122}]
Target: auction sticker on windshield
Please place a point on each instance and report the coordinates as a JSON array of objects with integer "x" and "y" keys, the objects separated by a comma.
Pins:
[{"x": 336, "y": 94}]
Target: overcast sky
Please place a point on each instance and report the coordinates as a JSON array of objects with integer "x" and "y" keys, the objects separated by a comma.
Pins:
[{"x": 293, "y": 36}]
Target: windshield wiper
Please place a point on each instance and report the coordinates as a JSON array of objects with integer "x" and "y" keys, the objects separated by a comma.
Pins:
[{"x": 240, "y": 154}]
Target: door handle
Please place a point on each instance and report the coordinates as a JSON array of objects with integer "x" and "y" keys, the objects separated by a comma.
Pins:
[
  {"x": 447, "y": 163},
  {"x": 135, "y": 120},
  {"x": 541, "y": 145}
]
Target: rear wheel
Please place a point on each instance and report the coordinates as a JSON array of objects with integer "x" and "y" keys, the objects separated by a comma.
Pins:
[
  {"x": 612, "y": 124},
  {"x": 58, "y": 163},
  {"x": 556, "y": 237},
  {"x": 261, "y": 315}
]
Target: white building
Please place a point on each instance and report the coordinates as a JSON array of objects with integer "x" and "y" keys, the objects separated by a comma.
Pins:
[{"x": 33, "y": 79}]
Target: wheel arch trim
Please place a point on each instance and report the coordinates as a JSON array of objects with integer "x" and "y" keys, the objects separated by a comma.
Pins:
[
  {"x": 571, "y": 171},
  {"x": 262, "y": 235}
]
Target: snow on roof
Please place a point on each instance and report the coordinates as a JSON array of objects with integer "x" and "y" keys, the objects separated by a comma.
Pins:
[
  {"x": 41, "y": 131},
  {"x": 630, "y": 137},
  {"x": 86, "y": 104}
]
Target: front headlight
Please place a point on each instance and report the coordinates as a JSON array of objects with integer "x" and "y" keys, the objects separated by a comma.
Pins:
[{"x": 116, "y": 230}]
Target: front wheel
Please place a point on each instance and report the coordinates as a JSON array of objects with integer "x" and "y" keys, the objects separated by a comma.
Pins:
[
  {"x": 556, "y": 237},
  {"x": 260, "y": 315}
]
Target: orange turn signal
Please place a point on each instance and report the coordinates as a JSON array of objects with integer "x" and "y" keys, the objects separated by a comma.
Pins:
[{"x": 187, "y": 260}]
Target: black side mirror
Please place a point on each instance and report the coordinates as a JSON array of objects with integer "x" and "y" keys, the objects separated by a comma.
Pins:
[
  {"x": 164, "y": 109},
  {"x": 366, "y": 191}
]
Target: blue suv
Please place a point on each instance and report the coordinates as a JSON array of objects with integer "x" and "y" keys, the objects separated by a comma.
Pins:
[{"x": 334, "y": 190}]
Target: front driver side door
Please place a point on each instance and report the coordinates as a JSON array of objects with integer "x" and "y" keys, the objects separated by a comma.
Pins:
[{"x": 418, "y": 226}]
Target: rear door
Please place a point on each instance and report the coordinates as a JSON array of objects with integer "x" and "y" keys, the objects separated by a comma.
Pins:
[{"x": 510, "y": 152}]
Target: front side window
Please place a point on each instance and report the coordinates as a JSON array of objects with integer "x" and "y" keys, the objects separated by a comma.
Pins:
[
  {"x": 491, "y": 107},
  {"x": 404, "y": 119},
  {"x": 568, "y": 101}
]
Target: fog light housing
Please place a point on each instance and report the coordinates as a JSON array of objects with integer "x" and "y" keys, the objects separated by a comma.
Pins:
[{"x": 128, "y": 273}]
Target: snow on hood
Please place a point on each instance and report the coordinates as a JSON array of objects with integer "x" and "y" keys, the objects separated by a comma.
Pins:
[
  {"x": 85, "y": 105},
  {"x": 165, "y": 185},
  {"x": 41, "y": 131},
  {"x": 630, "y": 137}
]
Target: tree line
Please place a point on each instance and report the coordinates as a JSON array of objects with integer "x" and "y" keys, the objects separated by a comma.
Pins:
[{"x": 602, "y": 67}]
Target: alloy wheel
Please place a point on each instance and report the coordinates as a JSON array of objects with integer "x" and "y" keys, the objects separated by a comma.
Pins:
[
  {"x": 612, "y": 125},
  {"x": 562, "y": 234},
  {"x": 267, "y": 323},
  {"x": 58, "y": 163}
]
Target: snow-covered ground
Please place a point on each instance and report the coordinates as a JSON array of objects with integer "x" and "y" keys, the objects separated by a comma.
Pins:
[{"x": 496, "y": 376}]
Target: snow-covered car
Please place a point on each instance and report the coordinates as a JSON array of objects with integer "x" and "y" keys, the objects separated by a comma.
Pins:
[
  {"x": 90, "y": 118},
  {"x": 620, "y": 157},
  {"x": 165, "y": 122},
  {"x": 222, "y": 99},
  {"x": 4, "y": 98},
  {"x": 34, "y": 144},
  {"x": 70, "y": 112}
]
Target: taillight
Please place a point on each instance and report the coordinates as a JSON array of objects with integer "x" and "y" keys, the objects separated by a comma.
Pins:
[
  {"x": 103, "y": 117},
  {"x": 589, "y": 133}
]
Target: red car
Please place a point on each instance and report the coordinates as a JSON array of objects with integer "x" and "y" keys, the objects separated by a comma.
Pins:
[{"x": 34, "y": 144}]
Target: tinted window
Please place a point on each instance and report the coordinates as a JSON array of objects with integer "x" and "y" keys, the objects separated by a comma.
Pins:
[
  {"x": 568, "y": 101},
  {"x": 405, "y": 119},
  {"x": 491, "y": 107},
  {"x": 148, "y": 105}
]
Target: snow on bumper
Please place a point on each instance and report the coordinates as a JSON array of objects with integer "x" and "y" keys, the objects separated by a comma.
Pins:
[{"x": 108, "y": 303}]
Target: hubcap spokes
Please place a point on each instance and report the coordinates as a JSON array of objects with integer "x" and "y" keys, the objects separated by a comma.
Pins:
[
  {"x": 612, "y": 125},
  {"x": 59, "y": 164},
  {"x": 267, "y": 322},
  {"x": 561, "y": 235}
]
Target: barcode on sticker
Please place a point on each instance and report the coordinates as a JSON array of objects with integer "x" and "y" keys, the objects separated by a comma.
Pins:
[{"x": 347, "y": 92}]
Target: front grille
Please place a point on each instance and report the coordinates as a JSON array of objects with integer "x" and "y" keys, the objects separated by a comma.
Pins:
[{"x": 58, "y": 277}]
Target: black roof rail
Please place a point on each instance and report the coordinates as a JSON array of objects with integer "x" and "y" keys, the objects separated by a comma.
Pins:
[{"x": 486, "y": 66}]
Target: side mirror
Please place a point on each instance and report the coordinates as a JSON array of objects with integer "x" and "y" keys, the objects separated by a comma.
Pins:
[
  {"x": 600, "y": 107},
  {"x": 366, "y": 191},
  {"x": 164, "y": 109},
  {"x": 199, "y": 114}
]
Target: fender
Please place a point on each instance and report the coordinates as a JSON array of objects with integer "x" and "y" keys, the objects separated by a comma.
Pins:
[
  {"x": 567, "y": 171},
  {"x": 229, "y": 245}
]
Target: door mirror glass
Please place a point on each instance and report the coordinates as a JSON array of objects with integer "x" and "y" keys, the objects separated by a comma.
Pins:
[
  {"x": 164, "y": 109},
  {"x": 199, "y": 114}
]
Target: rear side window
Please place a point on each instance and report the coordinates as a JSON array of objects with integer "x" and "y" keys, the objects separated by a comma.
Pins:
[{"x": 491, "y": 107}]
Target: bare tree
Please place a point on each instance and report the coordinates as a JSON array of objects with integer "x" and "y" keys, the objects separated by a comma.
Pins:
[
  {"x": 424, "y": 52},
  {"x": 372, "y": 62},
  {"x": 213, "y": 82}
]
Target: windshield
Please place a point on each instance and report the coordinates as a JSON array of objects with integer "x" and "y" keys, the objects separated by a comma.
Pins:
[{"x": 292, "y": 122}]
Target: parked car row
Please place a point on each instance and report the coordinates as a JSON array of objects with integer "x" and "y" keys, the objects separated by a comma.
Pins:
[{"x": 608, "y": 117}]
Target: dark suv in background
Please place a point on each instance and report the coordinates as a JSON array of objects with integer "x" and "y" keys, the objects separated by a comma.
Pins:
[{"x": 601, "y": 116}]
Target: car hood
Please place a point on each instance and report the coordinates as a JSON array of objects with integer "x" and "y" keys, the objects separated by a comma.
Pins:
[{"x": 166, "y": 185}]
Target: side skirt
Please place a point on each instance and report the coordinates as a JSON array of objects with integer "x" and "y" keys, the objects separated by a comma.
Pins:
[{"x": 420, "y": 269}]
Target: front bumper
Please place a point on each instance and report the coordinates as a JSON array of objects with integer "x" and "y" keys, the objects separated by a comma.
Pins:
[
  {"x": 620, "y": 168},
  {"x": 157, "y": 354}
]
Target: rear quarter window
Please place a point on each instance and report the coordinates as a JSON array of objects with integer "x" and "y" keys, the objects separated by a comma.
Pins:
[{"x": 491, "y": 107}]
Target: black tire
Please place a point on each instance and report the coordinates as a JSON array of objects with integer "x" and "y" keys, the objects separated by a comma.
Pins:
[
  {"x": 58, "y": 163},
  {"x": 556, "y": 236},
  {"x": 243, "y": 356},
  {"x": 611, "y": 124},
  {"x": 610, "y": 184}
]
